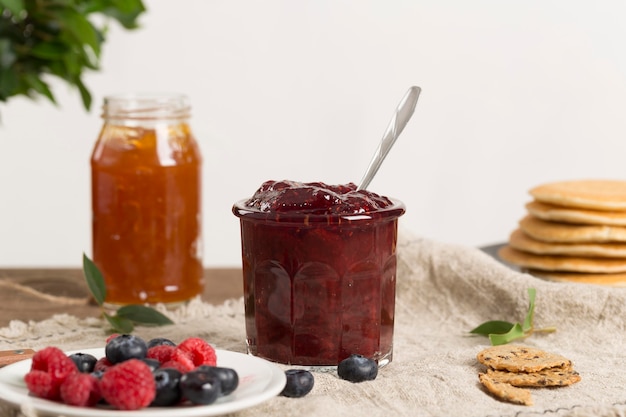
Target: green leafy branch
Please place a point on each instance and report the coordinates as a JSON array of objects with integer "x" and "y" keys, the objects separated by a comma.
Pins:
[
  {"x": 502, "y": 332},
  {"x": 55, "y": 38},
  {"x": 126, "y": 317}
]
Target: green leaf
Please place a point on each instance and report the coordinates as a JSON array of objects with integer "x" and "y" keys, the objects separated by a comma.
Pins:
[
  {"x": 501, "y": 332},
  {"x": 143, "y": 315},
  {"x": 94, "y": 279},
  {"x": 119, "y": 324},
  {"x": 63, "y": 41},
  {"x": 530, "y": 315},
  {"x": 7, "y": 55},
  {"x": 84, "y": 94},
  {"x": 92, "y": 6},
  {"x": 81, "y": 29},
  {"x": 72, "y": 66},
  {"x": 41, "y": 87},
  {"x": 49, "y": 50},
  {"x": 125, "y": 12},
  {"x": 516, "y": 332},
  {"x": 129, "y": 7},
  {"x": 14, "y": 6},
  {"x": 8, "y": 83},
  {"x": 494, "y": 326}
]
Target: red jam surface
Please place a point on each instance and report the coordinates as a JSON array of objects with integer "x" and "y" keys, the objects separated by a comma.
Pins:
[
  {"x": 319, "y": 267},
  {"x": 315, "y": 198}
]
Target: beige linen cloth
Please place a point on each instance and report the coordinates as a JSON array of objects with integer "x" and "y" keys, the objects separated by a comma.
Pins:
[{"x": 443, "y": 291}]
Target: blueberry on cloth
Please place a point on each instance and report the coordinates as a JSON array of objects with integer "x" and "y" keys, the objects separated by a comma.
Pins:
[
  {"x": 299, "y": 383},
  {"x": 357, "y": 368}
]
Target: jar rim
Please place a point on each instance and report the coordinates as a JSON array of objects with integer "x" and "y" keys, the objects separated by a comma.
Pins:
[
  {"x": 145, "y": 106},
  {"x": 388, "y": 213}
]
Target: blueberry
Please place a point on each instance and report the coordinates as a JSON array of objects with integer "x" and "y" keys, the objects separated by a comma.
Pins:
[
  {"x": 153, "y": 364},
  {"x": 97, "y": 374},
  {"x": 84, "y": 361},
  {"x": 357, "y": 368},
  {"x": 158, "y": 341},
  {"x": 228, "y": 377},
  {"x": 299, "y": 383},
  {"x": 200, "y": 387},
  {"x": 124, "y": 347},
  {"x": 168, "y": 390}
]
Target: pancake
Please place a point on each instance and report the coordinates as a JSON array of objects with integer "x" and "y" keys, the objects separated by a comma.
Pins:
[
  {"x": 564, "y": 232},
  {"x": 590, "y": 194},
  {"x": 611, "y": 280},
  {"x": 521, "y": 241},
  {"x": 561, "y": 263},
  {"x": 552, "y": 212}
]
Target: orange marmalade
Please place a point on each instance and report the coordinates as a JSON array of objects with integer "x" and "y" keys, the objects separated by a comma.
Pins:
[{"x": 146, "y": 200}]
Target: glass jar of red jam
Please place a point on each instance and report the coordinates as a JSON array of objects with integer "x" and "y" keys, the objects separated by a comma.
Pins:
[
  {"x": 146, "y": 200},
  {"x": 319, "y": 272}
]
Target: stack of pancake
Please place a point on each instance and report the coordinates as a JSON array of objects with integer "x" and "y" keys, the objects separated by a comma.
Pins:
[{"x": 573, "y": 231}]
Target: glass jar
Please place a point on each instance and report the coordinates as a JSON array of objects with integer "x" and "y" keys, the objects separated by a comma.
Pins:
[
  {"x": 146, "y": 200},
  {"x": 318, "y": 287}
]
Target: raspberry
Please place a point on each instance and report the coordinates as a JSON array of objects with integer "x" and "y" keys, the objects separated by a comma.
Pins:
[
  {"x": 111, "y": 337},
  {"x": 102, "y": 364},
  {"x": 40, "y": 384},
  {"x": 81, "y": 390},
  {"x": 182, "y": 367},
  {"x": 52, "y": 359},
  {"x": 162, "y": 353},
  {"x": 195, "y": 352},
  {"x": 183, "y": 360},
  {"x": 49, "y": 368},
  {"x": 128, "y": 385}
]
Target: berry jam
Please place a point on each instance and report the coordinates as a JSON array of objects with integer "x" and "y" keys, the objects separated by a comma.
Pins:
[
  {"x": 315, "y": 198},
  {"x": 319, "y": 268}
]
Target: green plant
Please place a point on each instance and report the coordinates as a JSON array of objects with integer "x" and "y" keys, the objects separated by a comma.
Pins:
[
  {"x": 125, "y": 318},
  {"x": 40, "y": 39},
  {"x": 502, "y": 332}
]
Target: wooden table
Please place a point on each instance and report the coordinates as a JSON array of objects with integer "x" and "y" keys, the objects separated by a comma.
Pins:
[{"x": 36, "y": 294}]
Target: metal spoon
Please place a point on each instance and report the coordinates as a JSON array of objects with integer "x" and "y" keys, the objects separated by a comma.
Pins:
[{"x": 400, "y": 118}]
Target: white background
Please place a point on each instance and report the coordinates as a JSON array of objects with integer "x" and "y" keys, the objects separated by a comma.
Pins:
[{"x": 514, "y": 94}]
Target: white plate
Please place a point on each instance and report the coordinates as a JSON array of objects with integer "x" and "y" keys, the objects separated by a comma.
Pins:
[{"x": 259, "y": 380}]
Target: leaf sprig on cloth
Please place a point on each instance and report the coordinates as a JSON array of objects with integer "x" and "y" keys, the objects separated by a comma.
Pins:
[
  {"x": 126, "y": 317},
  {"x": 502, "y": 332}
]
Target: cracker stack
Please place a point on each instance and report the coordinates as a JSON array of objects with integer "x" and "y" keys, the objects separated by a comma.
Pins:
[
  {"x": 573, "y": 231},
  {"x": 512, "y": 369}
]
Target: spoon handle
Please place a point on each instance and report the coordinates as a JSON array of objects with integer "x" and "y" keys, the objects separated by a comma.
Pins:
[{"x": 400, "y": 118}]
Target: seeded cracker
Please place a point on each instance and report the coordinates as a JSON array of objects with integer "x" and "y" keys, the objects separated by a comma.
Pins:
[
  {"x": 551, "y": 377},
  {"x": 506, "y": 392},
  {"x": 513, "y": 368},
  {"x": 517, "y": 358}
]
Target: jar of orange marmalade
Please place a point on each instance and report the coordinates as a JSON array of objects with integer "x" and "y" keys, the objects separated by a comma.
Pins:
[{"x": 146, "y": 200}]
